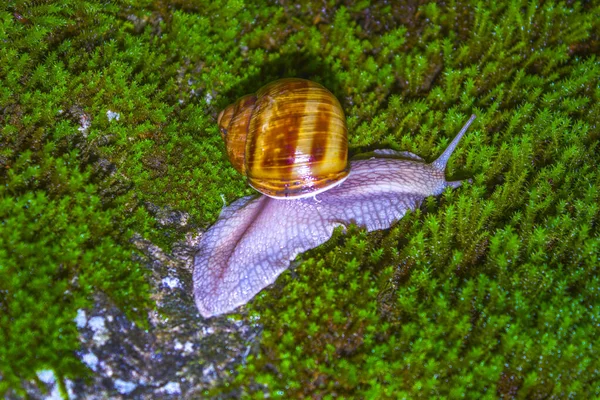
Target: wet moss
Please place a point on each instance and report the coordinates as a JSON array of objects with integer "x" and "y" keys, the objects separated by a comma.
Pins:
[{"x": 489, "y": 290}]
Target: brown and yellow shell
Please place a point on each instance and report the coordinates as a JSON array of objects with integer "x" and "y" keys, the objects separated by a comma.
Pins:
[{"x": 289, "y": 139}]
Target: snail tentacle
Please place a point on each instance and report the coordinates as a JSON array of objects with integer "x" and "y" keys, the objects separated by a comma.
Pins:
[{"x": 440, "y": 163}]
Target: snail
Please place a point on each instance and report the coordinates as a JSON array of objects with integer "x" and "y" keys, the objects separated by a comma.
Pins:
[
  {"x": 256, "y": 237},
  {"x": 289, "y": 139}
]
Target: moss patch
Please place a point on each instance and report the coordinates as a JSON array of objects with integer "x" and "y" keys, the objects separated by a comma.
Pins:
[{"x": 489, "y": 290}]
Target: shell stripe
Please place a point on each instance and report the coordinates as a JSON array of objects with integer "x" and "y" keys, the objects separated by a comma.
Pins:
[
  {"x": 284, "y": 137},
  {"x": 236, "y": 134},
  {"x": 318, "y": 149}
]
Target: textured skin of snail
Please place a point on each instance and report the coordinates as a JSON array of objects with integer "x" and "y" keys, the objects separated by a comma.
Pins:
[{"x": 255, "y": 238}]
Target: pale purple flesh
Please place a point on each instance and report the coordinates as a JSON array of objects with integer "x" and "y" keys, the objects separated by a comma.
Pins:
[{"x": 255, "y": 238}]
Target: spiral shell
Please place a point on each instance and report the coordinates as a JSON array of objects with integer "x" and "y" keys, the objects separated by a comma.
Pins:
[{"x": 289, "y": 139}]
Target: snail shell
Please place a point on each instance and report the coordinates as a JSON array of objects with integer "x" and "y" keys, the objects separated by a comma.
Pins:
[{"x": 289, "y": 138}]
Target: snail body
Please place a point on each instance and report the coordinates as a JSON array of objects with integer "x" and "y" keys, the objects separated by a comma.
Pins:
[
  {"x": 255, "y": 238},
  {"x": 289, "y": 138}
]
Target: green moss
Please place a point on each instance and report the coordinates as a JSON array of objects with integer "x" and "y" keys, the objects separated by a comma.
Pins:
[{"x": 488, "y": 290}]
